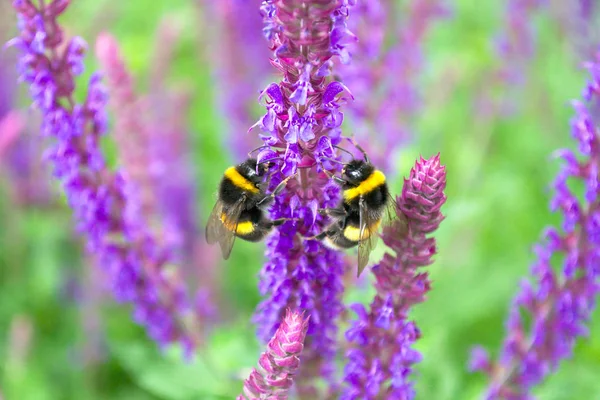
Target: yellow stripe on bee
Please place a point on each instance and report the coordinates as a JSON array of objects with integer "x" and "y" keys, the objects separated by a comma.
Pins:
[
  {"x": 238, "y": 180},
  {"x": 376, "y": 179},
  {"x": 352, "y": 233},
  {"x": 243, "y": 228}
]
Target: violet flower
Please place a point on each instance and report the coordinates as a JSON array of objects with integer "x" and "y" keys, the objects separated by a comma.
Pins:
[
  {"x": 104, "y": 203},
  {"x": 552, "y": 308},
  {"x": 278, "y": 365},
  {"x": 11, "y": 123},
  {"x": 382, "y": 356},
  {"x": 20, "y": 152},
  {"x": 515, "y": 46},
  {"x": 387, "y": 62},
  {"x": 237, "y": 29},
  {"x": 516, "y": 40},
  {"x": 300, "y": 127},
  {"x": 152, "y": 147},
  {"x": 11, "y": 126},
  {"x": 577, "y": 21}
]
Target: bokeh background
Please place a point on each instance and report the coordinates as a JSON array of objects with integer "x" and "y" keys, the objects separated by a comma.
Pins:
[{"x": 63, "y": 337}]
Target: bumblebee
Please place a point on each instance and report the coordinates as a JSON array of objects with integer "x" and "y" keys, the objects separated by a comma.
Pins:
[
  {"x": 366, "y": 204},
  {"x": 238, "y": 211}
]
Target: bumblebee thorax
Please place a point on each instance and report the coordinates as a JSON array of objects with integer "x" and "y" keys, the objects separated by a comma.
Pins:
[{"x": 356, "y": 171}]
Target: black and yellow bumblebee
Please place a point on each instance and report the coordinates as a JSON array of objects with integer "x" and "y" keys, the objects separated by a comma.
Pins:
[
  {"x": 366, "y": 204},
  {"x": 238, "y": 211}
]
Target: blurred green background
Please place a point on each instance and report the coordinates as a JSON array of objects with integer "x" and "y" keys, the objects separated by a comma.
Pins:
[{"x": 59, "y": 342}]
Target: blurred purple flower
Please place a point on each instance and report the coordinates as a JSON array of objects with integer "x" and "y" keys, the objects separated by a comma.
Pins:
[
  {"x": 152, "y": 146},
  {"x": 20, "y": 152},
  {"x": 552, "y": 308},
  {"x": 578, "y": 21},
  {"x": 11, "y": 126},
  {"x": 104, "y": 203},
  {"x": 387, "y": 61},
  {"x": 278, "y": 365},
  {"x": 237, "y": 25},
  {"x": 515, "y": 46},
  {"x": 381, "y": 358},
  {"x": 516, "y": 40},
  {"x": 299, "y": 130},
  {"x": 7, "y": 88}
]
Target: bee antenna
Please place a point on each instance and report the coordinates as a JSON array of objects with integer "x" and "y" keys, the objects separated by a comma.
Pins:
[
  {"x": 359, "y": 148},
  {"x": 333, "y": 160},
  {"x": 344, "y": 150},
  {"x": 254, "y": 150}
]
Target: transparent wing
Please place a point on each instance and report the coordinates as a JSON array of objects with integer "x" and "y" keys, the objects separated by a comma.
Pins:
[
  {"x": 214, "y": 225},
  {"x": 368, "y": 224},
  {"x": 224, "y": 233},
  {"x": 394, "y": 217}
]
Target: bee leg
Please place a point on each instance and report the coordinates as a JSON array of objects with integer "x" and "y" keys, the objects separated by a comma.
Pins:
[
  {"x": 337, "y": 179},
  {"x": 320, "y": 236},
  {"x": 269, "y": 198},
  {"x": 333, "y": 212},
  {"x": 280, "y": 221}
]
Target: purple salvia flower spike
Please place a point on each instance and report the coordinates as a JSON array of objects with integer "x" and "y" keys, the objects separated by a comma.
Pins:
[
  {"x": 553, "y": 307},
  {"x": 381, "y": 357},
  {"x": 301, "y": 124},
  {"x": 515, "y": 46},
  {"x": 105, "y": 203},
  {"x": 152, "y": 146},
  {"x": 278, "y": 365},
  {"x": 20, "y": 158},
  {"x": 237, "y": 26},
  {"x": 383, "y": 78}
]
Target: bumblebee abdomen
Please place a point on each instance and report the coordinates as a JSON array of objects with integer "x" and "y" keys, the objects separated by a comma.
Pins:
[
  {"x": 338, "y": 242},
  {"x": 352, "y": 232},
  {"x": 250, "y": 226},
  {"x": 256, "y": 235}
]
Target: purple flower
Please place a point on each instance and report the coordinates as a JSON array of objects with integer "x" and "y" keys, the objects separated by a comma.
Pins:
[
  {"x": 105, "y": 204},
  {"x": 20, "y": 153},
  {"x": 299, "y": 129},
  {"x": 278, "y": 365},
  {"x": 552, "y": 308},
  {"x": 381, "y": 357},
  {"x": 384, "y": 78},
  {"x": 153, "y": 152},
  {"x": 515, "y": 46},
  {"x": 237, "y": 36}
]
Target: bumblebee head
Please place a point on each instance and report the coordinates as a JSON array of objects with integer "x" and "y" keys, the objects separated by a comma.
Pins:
[
  {"x": 357, "y": 171},
  {"x": 252, "y": 171}
]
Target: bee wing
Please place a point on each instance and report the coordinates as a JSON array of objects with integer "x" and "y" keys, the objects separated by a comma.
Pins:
[
  {"x": 216, "y": 231},
  {"x": 367, "y": 235},
  {"x": 214, "y": 224},
  {"x": 393, "y": 216}
]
